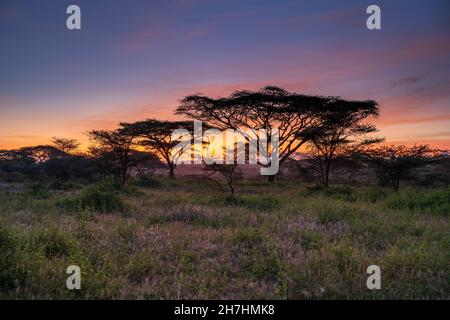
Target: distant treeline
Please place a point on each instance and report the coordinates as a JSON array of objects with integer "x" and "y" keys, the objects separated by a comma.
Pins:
[{"x": 321, "y": 137}]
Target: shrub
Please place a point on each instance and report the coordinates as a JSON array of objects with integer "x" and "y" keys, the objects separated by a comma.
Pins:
[
  {"x": 258, "y": 255},
  {"x": 253, "y": 202},
  {"x": 248, "y": 237},
  {"x": 9, "y": 273},
  {"x": 309, "y": 239},
  {"x": 331, "y": 215},
  {"x": 52, "y": 242},
  {"x": 61, "y": 185},
  {"x": 37, "y": 190},
  {"x": 338, "y": 192},
  {"x": 140, "y": 266},
  {"x": 374, "y": 194},
  {"x": 148, "y": 182},
  {"x": 196, "y": 216},
  {"x": 97, "y": 198},
  {"x": 431, "y": 202}
]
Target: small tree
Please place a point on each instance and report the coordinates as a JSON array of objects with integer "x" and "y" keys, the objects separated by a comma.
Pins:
[
  {"x": 230, "y": 172},
  {"x": 65, "y": 145},
  {"x": 42, "y": 153},
  {"x": 396, "y": 162},
  {"x": 113, "y": 149},
  {"x": 342, "y": 134},
  {"x": 145, "y": 163},
  {"x": 156, "y": 136}
]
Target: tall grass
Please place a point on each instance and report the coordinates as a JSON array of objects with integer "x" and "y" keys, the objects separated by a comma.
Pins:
[{"x": 181, "y": 239}]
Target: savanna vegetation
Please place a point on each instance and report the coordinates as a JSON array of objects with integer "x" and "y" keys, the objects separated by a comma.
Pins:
[
  {"x": 138, "y": 230},
  {"x": 159, "y": 238}
]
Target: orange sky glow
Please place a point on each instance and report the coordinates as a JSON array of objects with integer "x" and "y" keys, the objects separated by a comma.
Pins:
[{"x": 55, "y": 82}]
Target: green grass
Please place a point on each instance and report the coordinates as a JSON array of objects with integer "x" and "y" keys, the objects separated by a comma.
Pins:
[
  {"x": 174, "y": 239},
  {"x": 434, "y": 202},
  {"x": 102, "y": 197}
]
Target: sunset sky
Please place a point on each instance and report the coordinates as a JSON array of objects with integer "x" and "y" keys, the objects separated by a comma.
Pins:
[{"x": 135, "y": 59}]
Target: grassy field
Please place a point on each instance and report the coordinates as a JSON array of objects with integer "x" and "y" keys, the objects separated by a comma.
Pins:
[{"x": 180, "y": 239}]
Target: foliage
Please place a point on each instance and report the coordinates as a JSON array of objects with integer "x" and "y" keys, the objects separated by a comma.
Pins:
[
  {"x": 274, "y": 240},
  {"x": 157, "y": 137},
  {"x": 102, "y": 198},
  {"x": 297, "y": 117},
  {"x": 396, "y": 162}
]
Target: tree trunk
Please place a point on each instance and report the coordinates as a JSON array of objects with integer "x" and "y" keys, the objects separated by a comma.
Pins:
[
  {"x": 397, "y": 183},
  {"x": 327, "y": 175},
  {"x": 326, "y": 182},
  {"x": 230, "y": 184},
  {"x": 171, "y": 171},
  {"x": 123, "y": 177}
]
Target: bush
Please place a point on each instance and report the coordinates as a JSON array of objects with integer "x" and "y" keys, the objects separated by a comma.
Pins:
[
  {"x": 97, "y": 198},
  {"x": 253, "y": 202},
  {"x": 52, "y": 242},
  {"x": 140, "y": 266},
  {"x": 258, "y": 255},
  {"x": 61, "y": 185},
  {"x": 374, "y": 194},
  {"x": 309, "y": 239},
  {"x": 37, "y": 190},
  {"x": 338, "y": 192},
  {"x": 196, "y": 216},
  {"x": 148, "y": 182},
  {"x": 431, "y": 202},
  {"x": 9, "y": 274},
  {"x": 330, "y": 215}
]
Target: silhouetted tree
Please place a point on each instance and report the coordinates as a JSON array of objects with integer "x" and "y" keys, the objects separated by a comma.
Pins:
[
  {"x": 65, "y": 145},
  {"x": 296, "y": 116},
  {"x": 396, "y": 162},
  {"x": 229, "y": 171},
  {"x": 156, "y": 136},
  {"x": 343, "y": 133},
  {"x": 145, "y": 162},
  {"x": 103, "y": 158},
  {"x": 19, "y": 161},
  {"x": 70, "y": 166},
  {"x": 42, "y": 153},
  {"x": 113, "y": 150}
]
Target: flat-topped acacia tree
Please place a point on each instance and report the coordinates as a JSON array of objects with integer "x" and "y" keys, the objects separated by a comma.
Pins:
[
  {"x": 65, "y": 145},
  {"x": 156, "y": 136},
  {"x": 297, "y": 117},
  {"x": 396, "y": 162},
  {"x": 345, "y": 132},
  {"x": 113, "y": 150}
]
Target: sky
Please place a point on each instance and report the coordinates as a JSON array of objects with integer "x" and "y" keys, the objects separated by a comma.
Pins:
[{"x": 136, "y": 59}]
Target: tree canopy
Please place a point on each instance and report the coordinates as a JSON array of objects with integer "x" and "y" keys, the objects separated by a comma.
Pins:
[
  {"x": 157, "y": 136},
  {"x": 396, "y": 162},
  {"x": 297, "y": 117}
]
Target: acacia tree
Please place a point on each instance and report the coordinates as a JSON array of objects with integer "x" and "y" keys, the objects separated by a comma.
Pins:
[
  {"x": 229, "y": 171},
  {"x": 156, "y": 136},
  {"x": 343, "y": 133},
  {"x": 396, "y": 162},
  {"x": 20, "y": 160},
  {"x": 296, "y": 116},
  {"x": 114, "y": 150},
  {"x": 41, "y": 153},
  {"x": 65, "y": 145},
  {"x": 145, "y": 163}
]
